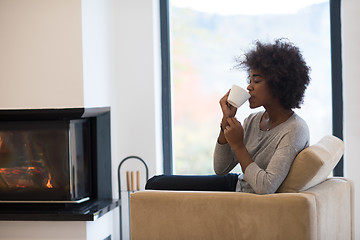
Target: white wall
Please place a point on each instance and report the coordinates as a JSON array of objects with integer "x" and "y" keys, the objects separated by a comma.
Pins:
[
  {"x": 351, "y": 85},
  {"x": 41, "y": 54},
  {"x": 60, "y": 230},
  {"x": 56, "y": 54},
  {"x": 42, "y": 230},
  {"x": 136, "y": 92},
  {"x": 98, "y": 51}
]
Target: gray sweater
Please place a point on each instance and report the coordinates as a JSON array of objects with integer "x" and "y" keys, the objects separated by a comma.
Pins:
[{"x": 272, "y": 152}]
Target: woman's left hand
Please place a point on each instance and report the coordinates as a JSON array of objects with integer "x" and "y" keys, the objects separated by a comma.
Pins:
[{"x": 234, "y": 133}]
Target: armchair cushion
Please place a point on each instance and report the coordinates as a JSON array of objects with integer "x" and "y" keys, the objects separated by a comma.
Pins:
[{"x": 313, "y": 165}]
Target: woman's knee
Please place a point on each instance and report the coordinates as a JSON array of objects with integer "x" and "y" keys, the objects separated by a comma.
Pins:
[{"x": 153, "y": 182}]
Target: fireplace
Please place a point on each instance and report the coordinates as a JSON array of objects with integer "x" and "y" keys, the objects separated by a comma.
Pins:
[{"x": 55, "y": 155}]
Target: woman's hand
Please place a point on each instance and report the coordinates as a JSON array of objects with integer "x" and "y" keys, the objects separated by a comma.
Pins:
[
  {"x": 227, "y": 109},
  {"x": 234, "y": 133}
]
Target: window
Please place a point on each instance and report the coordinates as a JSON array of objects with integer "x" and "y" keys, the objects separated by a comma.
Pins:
[{"x": 205, "y": 38}]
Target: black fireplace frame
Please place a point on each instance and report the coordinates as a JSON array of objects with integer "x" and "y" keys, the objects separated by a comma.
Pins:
[{"x": 100, "y": 140}]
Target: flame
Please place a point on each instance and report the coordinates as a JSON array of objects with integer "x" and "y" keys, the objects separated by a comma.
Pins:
[{"x": 48, "y": 184}]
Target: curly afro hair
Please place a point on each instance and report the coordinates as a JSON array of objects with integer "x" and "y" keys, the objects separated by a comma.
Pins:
[{"x": 284, "y": 69}]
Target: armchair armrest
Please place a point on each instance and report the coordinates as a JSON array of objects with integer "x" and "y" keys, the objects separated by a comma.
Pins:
[
  {"x": 335, "y": 208},
  {"x": 222, "y": 215}
]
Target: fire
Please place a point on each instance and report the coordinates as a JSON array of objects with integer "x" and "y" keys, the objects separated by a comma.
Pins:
[{"x": 48, "y": 184}]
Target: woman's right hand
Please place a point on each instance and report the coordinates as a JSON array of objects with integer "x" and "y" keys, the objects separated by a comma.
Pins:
[{"x": 228, "y": 110}]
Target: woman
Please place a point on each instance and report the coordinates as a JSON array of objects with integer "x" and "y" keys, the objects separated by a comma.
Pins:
[{"x": 268, "y": 142}]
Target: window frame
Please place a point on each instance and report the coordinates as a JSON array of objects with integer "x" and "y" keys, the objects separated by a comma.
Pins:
[
  {"x": 166, "y": 87},
  {"x": 336, "y": 82},
  {"x": 336, "y": 77}
]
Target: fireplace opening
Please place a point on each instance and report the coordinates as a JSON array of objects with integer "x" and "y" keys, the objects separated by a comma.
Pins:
[{"x": 54, "y": 156}]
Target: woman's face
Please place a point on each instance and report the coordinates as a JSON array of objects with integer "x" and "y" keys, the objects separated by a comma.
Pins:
[{"x": 259, "y": 90}]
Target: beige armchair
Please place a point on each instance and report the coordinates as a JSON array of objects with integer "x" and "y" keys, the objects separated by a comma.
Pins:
[{"x": 308, "y": 205}]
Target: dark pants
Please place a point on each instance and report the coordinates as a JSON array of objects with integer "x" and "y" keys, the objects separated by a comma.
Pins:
[{"x": 225, "y": 183}]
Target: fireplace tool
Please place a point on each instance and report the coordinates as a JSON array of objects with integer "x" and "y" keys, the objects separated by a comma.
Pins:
[{"x": 130, "y": 185}]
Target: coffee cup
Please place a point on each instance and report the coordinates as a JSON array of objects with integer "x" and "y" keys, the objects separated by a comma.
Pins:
[{"x": 238, "y": 96}]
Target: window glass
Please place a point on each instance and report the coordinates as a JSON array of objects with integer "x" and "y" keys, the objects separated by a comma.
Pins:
[{"x": 206, "y": 36}]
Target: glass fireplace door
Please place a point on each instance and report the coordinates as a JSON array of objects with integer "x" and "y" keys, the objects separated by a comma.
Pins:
[{"x": 36, "y": 161}]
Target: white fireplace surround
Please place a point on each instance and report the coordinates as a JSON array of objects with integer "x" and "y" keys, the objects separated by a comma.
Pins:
[{"x": 86, "y": 53}]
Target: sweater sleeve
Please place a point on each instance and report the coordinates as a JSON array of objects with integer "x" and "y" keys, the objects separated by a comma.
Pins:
[
  {"x": 266, "y": 181},
  {"x": 224, "y": 157},
  {"x": 224, "y": 160}
]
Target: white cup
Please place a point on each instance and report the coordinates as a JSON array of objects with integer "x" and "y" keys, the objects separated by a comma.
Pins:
[{"x": 238, "y": 96}]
